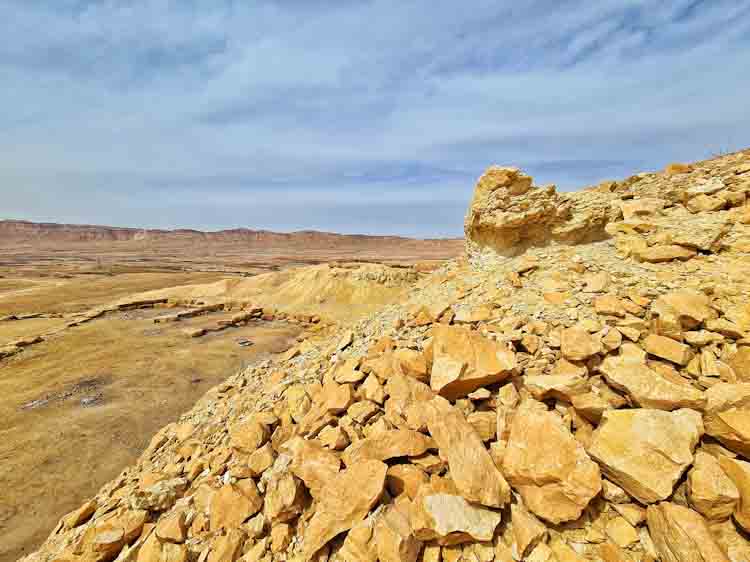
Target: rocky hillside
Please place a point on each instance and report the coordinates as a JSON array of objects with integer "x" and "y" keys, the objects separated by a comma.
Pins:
[{"x": 577, "y": 390}]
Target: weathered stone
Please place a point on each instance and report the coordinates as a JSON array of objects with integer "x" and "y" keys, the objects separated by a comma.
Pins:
[
  {"x": 312, "y": 463},
  {"x": 360, "y": 544},
  {"x": 727, "y": 416},
  {"x": 285, "y": 493},
  {"x": 690, "y": 307},
  {"x": 710, "y": 491},
  {"x": 577, "y": 344},
  {"x": 80, "y": 515},
  {"x": 362, "y": 411},
  {"x": 394, "y": 537},
  {"x": 333, "y": 438},
  {"x": 227, "y": 548},
  {"x": 646, "y": 451},
  {"x": 411, "y": 363},
  {"x": 528, "y": 531},
  {"x": 563, "y": 387},
  {"x": 484, "y": 423},
  {"x": 735, "y": 545},
  {"x": 621, "y": 532},
  {"x": 387, "y": 445},
  {"x": 647, "y": 388},
  {"x": 173, "y": 527},
  {"x": 232, "y": 505},
  {"x": 590, "y": 405},
  {"x": 680, "y": 534},
  {"x": 668, "y": 349},
  {"x": 248, "y": 435},
  {"x": 450, "y": 519},
  {"x": 738, "y": 472},
  {"x": 471, "y": 467},
  {"x": 344, "y": 501},
  {"x": 154, "y": 550},
  {"x": 463, "y": 361},
  {"x": 405, "y": 479},
  {"x": 548, "y": 467},
  {"x": 281, "y": 537}
]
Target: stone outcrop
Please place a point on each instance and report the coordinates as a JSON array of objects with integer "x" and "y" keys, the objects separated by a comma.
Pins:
[{"x": 509, "y": 214}]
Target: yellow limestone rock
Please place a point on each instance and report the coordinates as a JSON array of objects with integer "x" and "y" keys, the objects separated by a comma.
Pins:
[
  {"x": 233, "y": 504},
  {"x": 682, "y": 535},
  {"x": 740, "y": 363},
  {"x": 249, "y": 435},
  {"x": 563, "y": 387},
  {"x": 172, "y": 527},
  {"x": 647, "y": 388},
  {"x": 154, "y": 550},
  {"x": 285, "y": 493},
  {"x": 312, "y": 463},
  {"x": 528, "y": 531},
  {"x": 710, "y": 491},
  {"x": 735, "y": 545},
  {"x": 344, "y": 502},
  {"x": 80, "y": 515},
  {"x": 646, "y": 451},
  {"x": 393, "y": 535},
  {"x": 471, "y": 467},
  {"x": 577, "y": 344},
  {"x": 727, "y": 416},
  {"x": 227, "y": 548},
  {"x": 739, "y": 472},
  {"x": 621, "y": 532},
  {"x": 463, "y": 361},
  {"x": 691, "y": 307},
  {"x": 387, "y": 445},
  {"x": 668, "y": 349},
  {"x": 548, "y": 466},
  {"x": 360, "y": 543},
  {"x": 405, "y": 479},
  {"x": 450, "y": 519},
  {"x": 665, "y": 252}
]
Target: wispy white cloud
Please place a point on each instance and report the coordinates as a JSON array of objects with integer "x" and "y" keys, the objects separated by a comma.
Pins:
[{"x": 301, "y": 114}]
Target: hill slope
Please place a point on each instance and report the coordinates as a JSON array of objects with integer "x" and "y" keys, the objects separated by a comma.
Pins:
[{"x": 578, "y": 390}]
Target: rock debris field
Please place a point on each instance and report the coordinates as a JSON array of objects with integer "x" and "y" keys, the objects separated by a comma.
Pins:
[{"x": 576, "y": 388}]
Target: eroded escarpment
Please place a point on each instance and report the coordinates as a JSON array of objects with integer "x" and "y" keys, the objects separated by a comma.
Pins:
[
  {"x": 655, "y": 217},
  {"x": 579, "y": 401}
]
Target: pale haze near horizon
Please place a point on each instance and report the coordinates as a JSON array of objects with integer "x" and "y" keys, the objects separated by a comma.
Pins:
[{"x": 369, "y": 117}]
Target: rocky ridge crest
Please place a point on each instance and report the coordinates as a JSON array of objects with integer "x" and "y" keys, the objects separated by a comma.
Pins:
[{"x": 578, "y": 390}]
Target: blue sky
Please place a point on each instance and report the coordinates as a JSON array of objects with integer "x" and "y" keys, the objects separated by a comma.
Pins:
[{"x": 352, "y": 116}]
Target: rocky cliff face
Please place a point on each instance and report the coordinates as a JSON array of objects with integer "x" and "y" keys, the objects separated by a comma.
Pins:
[
  {"x": 580, "y": 392},
  {"x": 653, "y": 215}
]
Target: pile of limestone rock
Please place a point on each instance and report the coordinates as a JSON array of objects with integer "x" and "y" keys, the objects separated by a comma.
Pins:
[{"x": 578, "y": 390}]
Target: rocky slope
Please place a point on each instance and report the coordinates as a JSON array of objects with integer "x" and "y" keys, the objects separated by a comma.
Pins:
[{"x": 577, "y": 390}]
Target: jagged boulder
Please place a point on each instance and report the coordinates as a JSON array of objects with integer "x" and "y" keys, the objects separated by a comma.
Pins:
[{"x": 508, "y": 214}]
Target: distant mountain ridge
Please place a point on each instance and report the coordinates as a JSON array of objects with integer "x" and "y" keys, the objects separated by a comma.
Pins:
[{"x": 28, "y": 231}]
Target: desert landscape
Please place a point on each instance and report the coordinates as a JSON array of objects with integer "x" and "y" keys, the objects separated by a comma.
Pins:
[
  {"x": 382, "y": 281},
  {"x": 92, "y": 363},
  {"x": 573, "y": 386}
]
